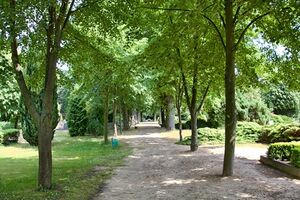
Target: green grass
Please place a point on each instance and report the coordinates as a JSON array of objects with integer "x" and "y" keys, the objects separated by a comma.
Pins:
[{"x": 80, "y": 166}]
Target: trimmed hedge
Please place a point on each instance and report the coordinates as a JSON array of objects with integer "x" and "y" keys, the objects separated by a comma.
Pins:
[
  {"x": 282, "y": 150},
  {"x": 280, "y": 133},
  {"x": 295, "y": 158},
  {"x": 9, "y": 136}
]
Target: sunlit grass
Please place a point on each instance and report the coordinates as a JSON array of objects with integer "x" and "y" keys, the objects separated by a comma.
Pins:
[{"x": 80, "y": 166}]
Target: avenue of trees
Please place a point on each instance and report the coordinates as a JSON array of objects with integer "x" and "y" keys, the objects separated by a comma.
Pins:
[{"x": 121, "y": 58}]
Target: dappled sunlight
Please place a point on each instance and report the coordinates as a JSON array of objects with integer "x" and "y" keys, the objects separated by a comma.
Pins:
[
  {"x": 197, "y": 169},
  {"x": 135, "y": 157},
  {"x": 245, "y": 195},
  {"x": 171, "y": 181},
  {"x": 67, "y": 158},
  {"x": 17, "y": 152}
]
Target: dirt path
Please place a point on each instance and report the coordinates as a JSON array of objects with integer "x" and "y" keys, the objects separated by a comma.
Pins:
[{"x": 160, "y": 169}]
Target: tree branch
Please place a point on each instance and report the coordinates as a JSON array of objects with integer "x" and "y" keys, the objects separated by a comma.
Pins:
[
  {"x": 223, "y": 21},
  {"x": 184, "y": 80},
  {"x": 236, "y": 14},
  {"x": 246, "y": 28},
  {"x": 26, "y": 94},
  {"x": 68, "y": 15},
  {"x": 216, "y": 28},
  {"x": 204, "y": 96}
]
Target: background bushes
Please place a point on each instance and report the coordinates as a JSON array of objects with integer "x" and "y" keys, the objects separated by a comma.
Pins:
[
  {"x": 30, "y": 132},
  {"x": 76, "y": 116},
  {"x": 8, "y": 134},
  {"x": 282, "y": 101}
]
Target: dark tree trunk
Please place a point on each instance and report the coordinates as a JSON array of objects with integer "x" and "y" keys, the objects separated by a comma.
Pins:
[
  {"x": 163, "y": 118},
  {"x": 125, "y": 114},
  {"x": 45, "y": 133},
  {"x": 230, "y": 113},
  {"x": 179, "y": 122},
  {"x": 105, "y": 118},
  {"x": 194, "y": 136}
]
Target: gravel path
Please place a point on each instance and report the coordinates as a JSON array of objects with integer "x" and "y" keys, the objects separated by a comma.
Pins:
[{"x": 160, "y": 169}]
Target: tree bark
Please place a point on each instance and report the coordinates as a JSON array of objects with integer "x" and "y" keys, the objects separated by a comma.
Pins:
[
  {"x": 230, "y": 113},
  {"x": 163, "y": 118},
  {"x": 194, "y": 136},
  {"x": 125, "y": 114},
  {"x": 105, "y": 118},
  {"x": 45, "y": 134},
  {"x": 179, "y": 122}
]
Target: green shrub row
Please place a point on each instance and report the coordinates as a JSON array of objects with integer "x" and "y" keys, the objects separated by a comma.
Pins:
[
  {"x": 282, "y": 150},
  {"x": 295, "y": 158},
  {"x": 8, "y": 136},
  {"x": 252, "y": 132}
]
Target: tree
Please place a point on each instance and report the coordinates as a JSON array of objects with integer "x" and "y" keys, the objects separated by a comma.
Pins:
[{"x": 53, "y": 16}]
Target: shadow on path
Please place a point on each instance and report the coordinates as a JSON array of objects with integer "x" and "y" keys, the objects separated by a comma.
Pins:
[{"x": 160, "y": 169}]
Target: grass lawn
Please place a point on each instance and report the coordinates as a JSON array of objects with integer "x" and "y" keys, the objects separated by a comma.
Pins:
[{"x": 80, "y": 166}]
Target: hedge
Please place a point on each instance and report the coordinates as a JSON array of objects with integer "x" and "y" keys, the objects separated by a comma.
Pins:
[
  {"x": 9, "y": 136},
  {"x": 282, "y": 150},
  {"x": 295, "y": 158}
]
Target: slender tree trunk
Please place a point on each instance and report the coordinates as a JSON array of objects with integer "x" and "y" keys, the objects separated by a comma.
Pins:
[
  {"x": 179, "y": 122},
  {"x": 230, "y": 113},
  {"x": 45, "y": 133},
  {"x": 125, "y": 118},
  {"x": 163, "y": 118},
  {"x": 194, "y": 136},
  {"x": 105, "y": 118}
]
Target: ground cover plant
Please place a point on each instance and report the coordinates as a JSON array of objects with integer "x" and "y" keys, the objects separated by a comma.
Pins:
[{"x": 81, "y": 165}]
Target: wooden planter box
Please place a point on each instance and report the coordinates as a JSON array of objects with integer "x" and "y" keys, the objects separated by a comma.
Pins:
[{"x": 281, "y": 166}]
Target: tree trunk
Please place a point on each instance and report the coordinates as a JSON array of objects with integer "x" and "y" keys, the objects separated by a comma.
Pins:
[
  {"x": 194, "y": 136},
  {"x": 45, "y": 133},
  {"x": 179, "y": 122},
  {"x": 170, "y": 114},
  {"x": 125, "y": 118},
  {"x": 105, "y": 118},
  {"x": 230, "y": 113},
  {"x": 163, "y": 119}
]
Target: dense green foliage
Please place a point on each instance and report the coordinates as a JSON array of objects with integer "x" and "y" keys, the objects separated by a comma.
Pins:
[
  {"x": 282, "y": 101},
  {"x": 30, "y": 131},
  {"x": 77, "y": 116},
  {"x": 9, "y": 92},
  {"x": 251, "y": 107},
  {"x": 82, "y": 165},
  {"x": 9, "y": 136},
  {"x": 252, "y": 132},
  {"x": 280, "y": 133},
  {"x": 295, "y": 158},
  {"x": 282, "y": 150}
]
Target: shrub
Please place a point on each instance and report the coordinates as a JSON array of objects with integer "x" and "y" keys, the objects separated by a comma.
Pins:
[
  {"x": 9, "y": 136},
  {"x": 295, "y": 158},
  {"x": 282, "y": 101},
  {"x": 215, "y": 112},
  {"x": 76, "y": 116},
  {"x": 251, "y": 107},
  {"x": 281, "y": 119},
  {"x": 248, "y": 131},
  {"x": 282, "y": 150},
  {"x": 30, "y": 132},
  {"x": 280, "y": 133}
]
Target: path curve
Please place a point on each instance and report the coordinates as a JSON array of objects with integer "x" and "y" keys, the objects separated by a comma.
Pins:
[{"x": 160, "y": 169}]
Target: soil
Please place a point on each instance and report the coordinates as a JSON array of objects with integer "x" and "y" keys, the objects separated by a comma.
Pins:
[{"x": 160, "y": 169}]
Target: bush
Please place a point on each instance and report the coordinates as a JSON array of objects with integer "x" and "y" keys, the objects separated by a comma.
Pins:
[
  {"x": 248, "y": 131},
  {"x": 282, "y": 150},
  {"x": 295, "y": 158},
  {"x": 281, "y": 119},
  {"x": 251, "y": 107},
  {"x": 215, "y": 112},
  {"x": 9, "y": 136},
  {"x": 30, "y": 132},
  {"x": 280, "y": 133},
  {"x": 76, "y": 116},
  {"x": 282, "y": 101}
]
